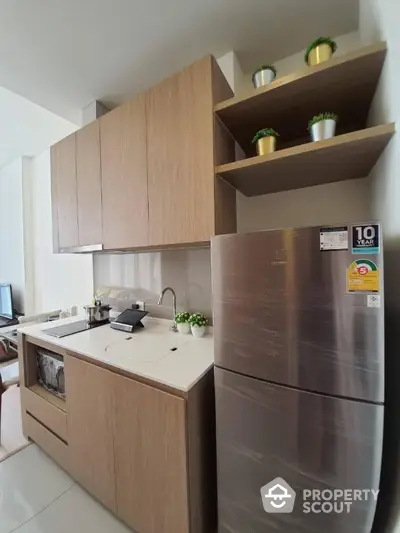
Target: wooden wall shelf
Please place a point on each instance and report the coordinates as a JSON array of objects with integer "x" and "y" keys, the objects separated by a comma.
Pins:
[
  {"x": 344, "y": 157},
  {"x": 345, "y": 85}
]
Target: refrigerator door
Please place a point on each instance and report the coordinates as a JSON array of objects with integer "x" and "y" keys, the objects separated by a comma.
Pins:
[
  {"x": 313, "y": 442},
  {"x": 282, "y": 313}
]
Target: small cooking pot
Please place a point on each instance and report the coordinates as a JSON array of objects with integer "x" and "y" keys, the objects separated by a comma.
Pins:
[{"x": 97, "y": 313}]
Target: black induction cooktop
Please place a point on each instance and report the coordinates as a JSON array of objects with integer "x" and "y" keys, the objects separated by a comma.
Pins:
[{"x": 74, "y": 327}]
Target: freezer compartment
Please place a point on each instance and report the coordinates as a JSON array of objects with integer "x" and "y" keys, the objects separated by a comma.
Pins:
[
  {"x": 312, "y": 441},
  {"x": 282, "y": 314}
]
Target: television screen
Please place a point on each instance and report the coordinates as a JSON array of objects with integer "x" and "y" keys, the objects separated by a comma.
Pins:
[{"x": 6, "y": 301}]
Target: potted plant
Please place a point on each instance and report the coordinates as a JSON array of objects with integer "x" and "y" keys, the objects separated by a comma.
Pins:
[
  {"x": 266, "y": 141},
  {"x": 263, "y": 75},
  {"x": 198, "y": 323},
  {"x": 319, "y": 51},
  {"x": 323, "y": 126},
  {"x": 182, "y": 322}
]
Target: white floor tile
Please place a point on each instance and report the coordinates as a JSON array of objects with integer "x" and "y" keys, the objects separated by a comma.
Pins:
[
  {"x": 29, "y": 481},
  {"x": 74, "y": 511},
  {"x": 11, "y": 434}
]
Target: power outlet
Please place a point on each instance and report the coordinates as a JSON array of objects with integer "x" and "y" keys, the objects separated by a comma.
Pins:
[{"x": 142, "y": 305}]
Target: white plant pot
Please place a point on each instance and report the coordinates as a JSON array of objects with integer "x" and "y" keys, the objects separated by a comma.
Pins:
[
  {"x": 184, "y": 328},
  {"x": 263, "y": 77},
  {"x": 324, "y": 129},
  {"x": 198, "y": 331}
]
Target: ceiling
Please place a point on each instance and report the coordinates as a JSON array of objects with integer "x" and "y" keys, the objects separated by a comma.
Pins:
[{"x": 63, "y": 54}]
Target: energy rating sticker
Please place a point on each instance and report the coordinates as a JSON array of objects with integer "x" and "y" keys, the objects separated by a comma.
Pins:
[{"x": 363, "y": 276}]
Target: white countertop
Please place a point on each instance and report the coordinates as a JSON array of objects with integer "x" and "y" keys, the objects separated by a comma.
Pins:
[{"x": 146, "y": 352}]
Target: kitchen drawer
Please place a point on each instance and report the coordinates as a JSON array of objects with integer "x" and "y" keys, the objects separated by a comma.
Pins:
[
  {"x": 48, "y": 414},
  {"x": 53, "y": 446}
]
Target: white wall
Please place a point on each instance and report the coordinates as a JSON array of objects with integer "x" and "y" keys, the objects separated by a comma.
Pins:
[
  {"x": 58, "y": 280},
  {"x": 295, "y": 62},
  {"x": 41, "y": 280},
  {"x": 50, "y": 281},
  {"x": 345, "y": 201},
  {"x": 230, "y": 66},
  {"x": 379, "y": 20},
  {"x": 322, "y": 205},
  {"x": 26, "y": 129},
  {"x": 28, "y": 240},
  {"x": 11, "y": 231}
]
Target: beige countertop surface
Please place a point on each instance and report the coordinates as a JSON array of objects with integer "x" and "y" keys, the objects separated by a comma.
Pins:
[{"x": 145, "y": 352}]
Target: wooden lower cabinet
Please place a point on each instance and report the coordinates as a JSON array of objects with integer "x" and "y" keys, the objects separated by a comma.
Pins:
[
  {"x": 129, "y": 446},
  {"x": 146, "y": 454},
  {"x": 150, "y": 458},
  {"x": 90, "y": 409}
]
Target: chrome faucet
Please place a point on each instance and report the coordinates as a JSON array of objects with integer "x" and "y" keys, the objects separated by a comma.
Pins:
[{"x": 160, "y": 300}]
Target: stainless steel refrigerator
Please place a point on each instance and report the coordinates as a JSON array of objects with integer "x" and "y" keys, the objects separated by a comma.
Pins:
[{"x": 299, "y": 375}]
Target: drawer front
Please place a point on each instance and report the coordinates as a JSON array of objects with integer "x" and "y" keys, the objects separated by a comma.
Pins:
[
  {"x": 53, "y": 446},
  {"x": 49, "y": 415}
]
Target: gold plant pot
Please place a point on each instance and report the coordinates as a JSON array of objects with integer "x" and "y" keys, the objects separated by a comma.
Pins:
[
  {"x": 266, "y": 145},
  {"x": 319, "y": 54}
]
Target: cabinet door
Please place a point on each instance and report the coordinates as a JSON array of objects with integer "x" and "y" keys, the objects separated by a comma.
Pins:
[
  {"x": 89, "y": 397},
  {"x": 180, "y": 157},
  {"x": 124, "y": 176},
  {"x": 150, "y": 459},
  {"x": 64, "y": 193},
  {"x": 89, "y": 184}
]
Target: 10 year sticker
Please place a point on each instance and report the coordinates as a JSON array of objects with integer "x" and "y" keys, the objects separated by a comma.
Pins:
[{"x": 365, "y": 239}]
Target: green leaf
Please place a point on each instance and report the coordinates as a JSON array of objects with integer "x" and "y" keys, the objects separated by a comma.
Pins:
[
  {"x": 198, "y": 320},
  {"x": 182, "y": 318},
  {"x": 322, "y": 116},
  {"x": 266, "y": 132}
]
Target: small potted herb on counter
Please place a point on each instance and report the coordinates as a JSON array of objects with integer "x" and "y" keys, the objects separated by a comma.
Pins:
[
  {"x": 319, "y": 51},
  {"x": 182, "y": 322},
  {"x": 198, "y": 323},
  {"x": 266, "y": 141},
  {"x": 264, "y": 75},
  {"x": 323, "y": 126}
]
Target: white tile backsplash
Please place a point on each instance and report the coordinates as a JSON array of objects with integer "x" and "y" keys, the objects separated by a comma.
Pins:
[{"x": 124, "y": 278}]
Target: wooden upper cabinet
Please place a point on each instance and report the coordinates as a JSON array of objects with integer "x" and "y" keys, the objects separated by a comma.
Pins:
[
  {"x": 88, "y": 172},
  {"x": 76, "y": 189},
  {"x": 150, "y": 458},
  {"x": 124, "y": 176},
  {"x": 143, "y": 175},
  {"x": 90, "y": 411},
  {"x": 64, "y": 194},
  {"x": 187, "y": 202},
  {"x": 180, "y": 157}
]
